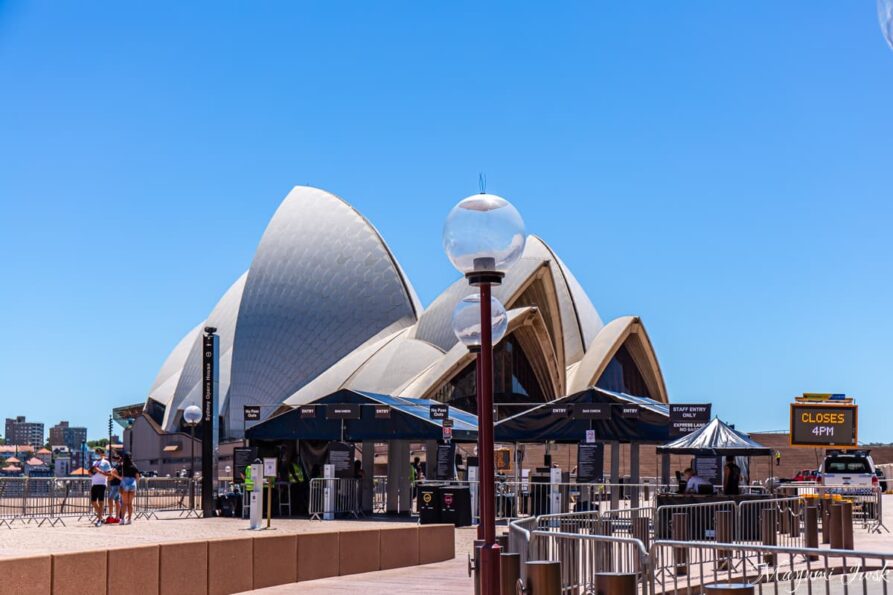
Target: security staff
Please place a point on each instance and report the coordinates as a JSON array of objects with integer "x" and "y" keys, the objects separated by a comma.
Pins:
[
  {"x": 249, "y": 483},
  {"x": 297, "y": 487}
]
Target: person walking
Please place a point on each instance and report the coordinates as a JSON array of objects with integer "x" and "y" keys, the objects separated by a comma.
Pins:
[
  {"x": 99, "y": 471},
  {"x": 130, "y": 475}
]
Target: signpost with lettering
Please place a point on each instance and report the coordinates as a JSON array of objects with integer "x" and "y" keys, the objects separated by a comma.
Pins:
[
  {"x": 210, "y": 420},
  {"x": 590, "y": 462},
  {"x": 439, "y": 411},
  {"x": 592, "y": 411},
  {"x": 830, "y": 425},
  {"x": 562, "y": 410},
  {"x": 686, "y": 418},
  {"x": 444, "y": 467},
  {"x": 629, "y": 411},
  {"x": 346, "y": 411}
]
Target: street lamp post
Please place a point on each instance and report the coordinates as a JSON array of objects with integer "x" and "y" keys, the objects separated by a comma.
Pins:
[
  {"x": 483, "y": 236},
  {"x": 192, "y": 415},
  {"x": 130, "y": 422},
  {"x": 467, "y": 325}
]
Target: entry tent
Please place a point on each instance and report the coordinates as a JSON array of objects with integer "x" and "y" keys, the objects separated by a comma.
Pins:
[
  {"x": 359, "y": 416},
  {"x": 712, "y": 439},
  {"x": 614, "y": 417},
  {"x": 375, "y": 417},
  {"x": 715, "y": 438},
  {"x": 632, "y": 419}
]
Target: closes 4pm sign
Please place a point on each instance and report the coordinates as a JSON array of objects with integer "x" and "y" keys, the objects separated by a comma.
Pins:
[{"x": 824, "y": 425}]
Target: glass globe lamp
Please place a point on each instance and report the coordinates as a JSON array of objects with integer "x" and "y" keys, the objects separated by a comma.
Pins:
[
  {"x": 192, "y": 414},
  {"x": 467, "y": 321},
  {"x": 483, "y": 236}
]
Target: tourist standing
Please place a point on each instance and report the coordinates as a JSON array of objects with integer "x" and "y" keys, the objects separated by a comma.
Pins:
[
  {"x": 130, "y": 475},
  {"x": 100, "y": 471},
  {"x": 731, "y": 478},
  {"x": 114, "y": 492}
]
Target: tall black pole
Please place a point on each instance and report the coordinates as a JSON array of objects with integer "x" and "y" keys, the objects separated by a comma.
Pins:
[
  {"x": 490, "y": 550},
  {"x": 209, "y": 421},
  {"x": 192, "y": 450}
]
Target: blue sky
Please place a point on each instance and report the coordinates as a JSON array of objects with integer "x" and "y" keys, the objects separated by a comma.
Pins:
[{"x": 722, "y": 169}]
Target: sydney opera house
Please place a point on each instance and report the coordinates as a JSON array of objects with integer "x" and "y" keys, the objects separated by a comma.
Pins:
[{"x": 325, "y": 305}]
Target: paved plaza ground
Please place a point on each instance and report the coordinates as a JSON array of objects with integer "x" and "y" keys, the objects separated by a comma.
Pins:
[{"x": 444, "y": 577}]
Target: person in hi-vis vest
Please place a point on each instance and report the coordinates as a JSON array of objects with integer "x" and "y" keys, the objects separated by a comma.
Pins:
[{"x": 298, "y": 486}]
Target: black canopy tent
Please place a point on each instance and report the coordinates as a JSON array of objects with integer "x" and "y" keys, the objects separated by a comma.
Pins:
[
  {"x": 715, "y": 438},
  {"x": 562, "y": 420},
  {"x": 407, "y": 419}
]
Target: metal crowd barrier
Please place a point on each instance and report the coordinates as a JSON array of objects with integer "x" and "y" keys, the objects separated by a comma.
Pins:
[
  {"x": 334, "y": 496},
  {"x": 593, "y": 543},
  {"x": 380, "y": 494},
  {"x": 166, "y": 494},
  {"x": 685, "y": 567},
  {"x": 51, "y": 500},
  {"x": 867, "y": 502},
  {"x": 584, "y": 557}
]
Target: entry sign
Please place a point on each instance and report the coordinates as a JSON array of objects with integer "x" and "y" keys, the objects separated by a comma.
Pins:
[
  {"x": 448, "y": 423},
  {"x": 824, "y": 425},
  {"x": 686, "y": 418},
  {"x": 308, "y": 412},
  {"x": 629, "y": 411},
  {"x": 563, "y": 410},
  {"x": 251, "y": 413},
  {"x": 439, "y": 411},
  {"x": 382, "y": 412}
]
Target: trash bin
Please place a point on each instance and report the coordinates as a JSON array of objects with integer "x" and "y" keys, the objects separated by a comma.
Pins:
[
  {"x": 428, "y": 505},
  {"x": 455, "y": 505}
]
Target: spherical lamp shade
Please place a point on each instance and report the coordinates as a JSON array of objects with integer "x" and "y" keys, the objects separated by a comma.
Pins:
[
  {"x": 484, "y": 233},
  {"x": 192, "y": 414},
  {"x": 467, "y": 320},
  {"x": 885, "y": 17}
]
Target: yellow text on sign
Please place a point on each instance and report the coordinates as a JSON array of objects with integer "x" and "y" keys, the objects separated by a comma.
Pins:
[{"x": 822, "y": 418}]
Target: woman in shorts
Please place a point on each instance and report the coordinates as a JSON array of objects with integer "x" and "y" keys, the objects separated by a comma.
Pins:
[{"x": 130, "y": 475}]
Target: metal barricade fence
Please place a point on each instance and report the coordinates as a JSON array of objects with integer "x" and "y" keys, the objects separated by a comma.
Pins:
[
  {"x": 165, "y": 494},
  {"x": 583, "y": 557},
  {"x": 691, "y": 521},
  {"x": 380, "y": 494},
  {"x": 685, "y": 567},
  {"x": 50, "y": 500},
  {"x": 333, "y": 496},
  {"x": 867, "y": 502},
  {"x": 519, "y": 540},
  {"x": 589, "y": 543}
]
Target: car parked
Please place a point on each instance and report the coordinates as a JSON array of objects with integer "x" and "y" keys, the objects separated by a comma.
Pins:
[
  {"x": 806, "y": 475},
  {"x": 848, "y": 471}
]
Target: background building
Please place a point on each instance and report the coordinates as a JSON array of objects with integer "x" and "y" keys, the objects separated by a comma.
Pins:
[
  {"x": 62, "y": 434},
  {"x": 21, "y": 431}
]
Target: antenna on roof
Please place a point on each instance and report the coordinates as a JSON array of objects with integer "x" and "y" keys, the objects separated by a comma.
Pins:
[{"x": 482, "y": 182}]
